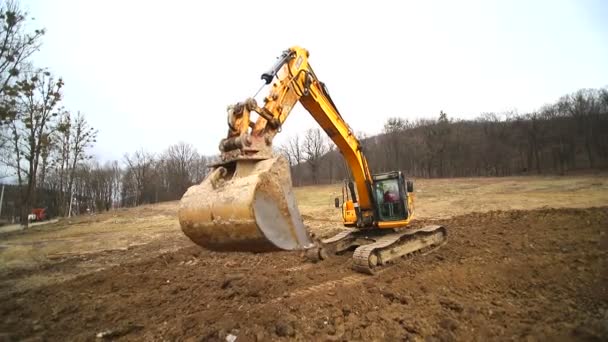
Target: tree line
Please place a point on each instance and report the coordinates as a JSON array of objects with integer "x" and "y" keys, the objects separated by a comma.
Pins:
[
  {"x": 87, "y": 186},
  {"x": 568, "y": 135}
]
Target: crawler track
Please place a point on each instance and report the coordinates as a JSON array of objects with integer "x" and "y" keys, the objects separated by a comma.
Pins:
[
  {"x": 376, "y": 249},
  {"x": 370, "y": 257}
]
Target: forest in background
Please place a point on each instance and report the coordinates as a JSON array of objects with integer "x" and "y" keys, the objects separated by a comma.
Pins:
[{"x": 568, "y": 135}]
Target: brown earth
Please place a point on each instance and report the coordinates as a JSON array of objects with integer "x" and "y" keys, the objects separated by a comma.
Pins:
[
  {"x": 531, "y": 275},
  {"x": 509, "y": 275}
]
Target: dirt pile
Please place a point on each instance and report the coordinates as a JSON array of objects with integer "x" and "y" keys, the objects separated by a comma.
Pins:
[{"x": 540, "y": 275}]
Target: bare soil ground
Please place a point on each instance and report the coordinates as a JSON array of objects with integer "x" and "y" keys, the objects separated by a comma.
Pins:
[{"x": 527, "y": 259}]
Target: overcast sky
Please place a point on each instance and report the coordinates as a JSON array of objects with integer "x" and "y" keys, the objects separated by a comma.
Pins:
[{"x": 148, "y": 74}]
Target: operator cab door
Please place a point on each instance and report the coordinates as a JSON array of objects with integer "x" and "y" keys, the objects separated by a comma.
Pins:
[{"x": 390, "y": 196}]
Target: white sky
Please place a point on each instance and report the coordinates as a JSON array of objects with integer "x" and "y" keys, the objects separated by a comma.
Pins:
[{"x": 148, "y": 74}]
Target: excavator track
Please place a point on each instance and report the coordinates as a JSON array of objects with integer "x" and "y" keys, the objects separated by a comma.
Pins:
[
  {"x": 335, "y": 244},
  {"x": 371, "y": 257},
  {"x": 374, "y": 250}
]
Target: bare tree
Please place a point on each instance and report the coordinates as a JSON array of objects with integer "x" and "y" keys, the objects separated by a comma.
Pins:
[
  {"x": 82, "y": 136},
  {"x": 395, "y": 125},
  {"x": 180, "y": 168},
  {"x": 335, "y": 162},
  {"x": 393, "y": 130},
  {"x": 138, "y": 174},
  {"x": 17, "y": 44},
  {"x": 63, "y": 144},
  {"x": 116, "y": 173},
  {"x": 47, "y": 147},
  {"x": 314, "y": 147},
  {"x": 292, "y": 150},
  {"x": 94, "y": 186},
  {"x": 201, "y": 168},
  {"x": 36, "y": 98}
]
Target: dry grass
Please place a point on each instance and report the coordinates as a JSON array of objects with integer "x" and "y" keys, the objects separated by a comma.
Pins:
[
  {"x": 442, "y": 198},
  {"x": 117, "y": 230},
  {"x": 436, "y": 198},
  {"x": 445, "y": 198}
]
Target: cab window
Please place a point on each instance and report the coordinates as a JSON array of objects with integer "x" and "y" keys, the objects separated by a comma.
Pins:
[{"x": 389, "y": 202}]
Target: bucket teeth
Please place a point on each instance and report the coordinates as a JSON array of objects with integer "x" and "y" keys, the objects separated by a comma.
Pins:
[{"x": 248, "y": 206}]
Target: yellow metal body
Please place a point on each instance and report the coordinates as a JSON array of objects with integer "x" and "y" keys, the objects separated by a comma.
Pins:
[{"x": 349, "y": 216}]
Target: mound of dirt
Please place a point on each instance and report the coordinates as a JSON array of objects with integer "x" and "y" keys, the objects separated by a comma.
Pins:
[{"x": 536, "y": 275}]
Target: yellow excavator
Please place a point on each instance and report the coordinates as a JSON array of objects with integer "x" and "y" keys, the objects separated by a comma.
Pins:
[{"x": 246, "y": 203}]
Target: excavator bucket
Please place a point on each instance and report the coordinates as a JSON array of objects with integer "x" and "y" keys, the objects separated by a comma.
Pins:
[{"x": 245, "y": 205}]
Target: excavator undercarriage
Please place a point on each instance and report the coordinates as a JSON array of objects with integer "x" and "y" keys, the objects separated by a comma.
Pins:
[{"x": 375, "y": 249}]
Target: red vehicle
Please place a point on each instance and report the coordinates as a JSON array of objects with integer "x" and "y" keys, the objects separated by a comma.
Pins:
[{"x": 38, "y": 214}]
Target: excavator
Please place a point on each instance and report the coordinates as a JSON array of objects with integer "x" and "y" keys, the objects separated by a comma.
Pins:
[{"x": 247, "y": 204}]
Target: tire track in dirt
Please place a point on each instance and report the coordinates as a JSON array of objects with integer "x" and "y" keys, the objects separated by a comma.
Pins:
[
  {"x": 299, "y": 268},
  {"x": 325, "y": 286},
  {"x": 351, "y": 278}
]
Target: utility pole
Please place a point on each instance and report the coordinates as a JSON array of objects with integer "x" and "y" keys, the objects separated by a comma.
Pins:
[
  {"x": 71, "y": 200},
  {"x": 1, "y": 200}
]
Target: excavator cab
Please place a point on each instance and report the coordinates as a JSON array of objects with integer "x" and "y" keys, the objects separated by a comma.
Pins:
[
  {"x": 391, "y": 196},
  {"x": 393, "y": 199}
]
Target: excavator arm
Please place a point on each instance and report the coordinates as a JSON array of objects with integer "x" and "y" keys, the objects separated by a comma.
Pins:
[
  {"x": 293, "y": 80},
  {"x": 246, "y": 202}
]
